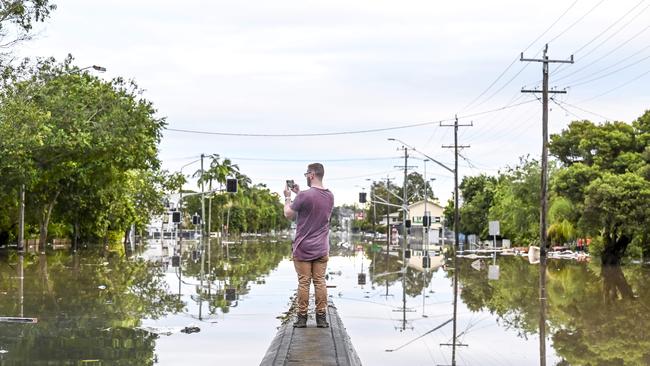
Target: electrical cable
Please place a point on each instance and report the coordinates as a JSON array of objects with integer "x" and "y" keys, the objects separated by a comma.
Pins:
[
  {"x": 344, "y": 132},
  {"x": 310, "y": 160},
  {"x": 517, "y": 58},
  {"x": 584, "y": 110},
  {"x": 558, "y": 68},
  {"x": 568, "y": 111},
  {"x": 577, "y": 21},
  {"x": 608, "y": 28},
  {"x": 610, "y": 52},
  {"x": 636, "y": 78},
  {"x": 609, "y": 73}
]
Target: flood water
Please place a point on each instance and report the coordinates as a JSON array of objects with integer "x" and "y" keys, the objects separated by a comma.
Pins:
[{"x": 105, "y": 309}]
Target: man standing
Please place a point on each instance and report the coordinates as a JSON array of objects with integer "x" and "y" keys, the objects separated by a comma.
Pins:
[{"x": 312, "y": 210}]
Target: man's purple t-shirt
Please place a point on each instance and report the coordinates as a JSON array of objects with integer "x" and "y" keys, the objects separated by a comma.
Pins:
[{"x": 313, "y": 209}]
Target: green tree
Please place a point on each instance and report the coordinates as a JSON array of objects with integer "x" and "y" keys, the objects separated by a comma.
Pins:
[
  {"x": 616, "y": 208},
  {"x": 516, "y": 202},
  {"x": 478, "y": 197},
  {"x": 72, "y": 137},
  {"x": 601, "y": 165}
]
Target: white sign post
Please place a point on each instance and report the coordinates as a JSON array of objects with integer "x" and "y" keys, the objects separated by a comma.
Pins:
[{"x": 494, "y": 230}]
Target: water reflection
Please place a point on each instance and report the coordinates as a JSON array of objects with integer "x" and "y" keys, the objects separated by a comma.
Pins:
[
  {"x": 87, "y": 308},
  {"x": 231, "y": 268},
  {"x": 587, "y": 311},
  {"x": 101, "y": 306}
]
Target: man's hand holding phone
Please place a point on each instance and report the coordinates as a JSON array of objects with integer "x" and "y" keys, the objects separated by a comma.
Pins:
[{"x": 291, "y": 186}]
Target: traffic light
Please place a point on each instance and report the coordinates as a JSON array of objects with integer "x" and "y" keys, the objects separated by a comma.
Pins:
[
  {"x": 362, "y": 197},
  {"x": 426, "y": 262},
  {"x": 408, "y": 223},
  {"x": 407, "y": 253},
  {"x": 426, "y": 220},
  {"x": 231, "y": 185},
  {"x": 176, "y": 217},
  {"x": 196, "y": 219}
]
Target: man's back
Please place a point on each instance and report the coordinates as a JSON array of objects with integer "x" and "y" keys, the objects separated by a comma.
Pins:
[{"x": 313, "y": 208}]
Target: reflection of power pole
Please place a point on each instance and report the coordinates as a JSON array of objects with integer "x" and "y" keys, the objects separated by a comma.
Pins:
[
  {"x": 456, "y": 227},
  {"x": 21, "y": 220},
  {"x": 388, "y": 231},
  {"x": 543, "y": 195}
]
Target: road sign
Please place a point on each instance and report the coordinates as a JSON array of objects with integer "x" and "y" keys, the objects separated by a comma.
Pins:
[{"x": 494, "y": 228}]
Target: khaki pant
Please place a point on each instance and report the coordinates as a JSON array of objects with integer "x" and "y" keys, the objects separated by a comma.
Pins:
[{"x": 309, "y": 271}]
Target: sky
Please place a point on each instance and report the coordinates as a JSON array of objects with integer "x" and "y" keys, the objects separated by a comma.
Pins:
[{"x": 311, "y": 78}]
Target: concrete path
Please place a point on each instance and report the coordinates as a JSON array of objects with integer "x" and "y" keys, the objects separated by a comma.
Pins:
[{"x": 311, "y": 345}]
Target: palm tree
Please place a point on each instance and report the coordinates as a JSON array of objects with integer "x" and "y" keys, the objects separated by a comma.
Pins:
[{"x": 219, "y": 171}]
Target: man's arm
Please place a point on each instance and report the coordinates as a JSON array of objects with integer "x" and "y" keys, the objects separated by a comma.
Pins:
[{"x": 288, "y": 212}]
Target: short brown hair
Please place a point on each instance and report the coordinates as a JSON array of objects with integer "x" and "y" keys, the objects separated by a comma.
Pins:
[{"x": 318, "y": 169}]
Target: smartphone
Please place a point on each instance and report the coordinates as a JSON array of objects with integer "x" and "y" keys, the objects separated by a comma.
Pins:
[{"x": 290, "y": 183}]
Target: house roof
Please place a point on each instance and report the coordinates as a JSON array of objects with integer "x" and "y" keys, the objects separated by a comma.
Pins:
[{"x": 429, "y": 202}]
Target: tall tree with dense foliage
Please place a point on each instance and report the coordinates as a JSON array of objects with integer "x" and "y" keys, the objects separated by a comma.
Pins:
[
  {"x": 78, "y": 141},
  {"x": 606, "y": 177}
]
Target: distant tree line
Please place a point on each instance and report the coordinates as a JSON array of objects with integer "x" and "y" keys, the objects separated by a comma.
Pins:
[{"x": 253, "y": 209}]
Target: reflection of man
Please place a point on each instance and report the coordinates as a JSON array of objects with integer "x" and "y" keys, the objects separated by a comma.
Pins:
[{"x": 312, "y": 210}]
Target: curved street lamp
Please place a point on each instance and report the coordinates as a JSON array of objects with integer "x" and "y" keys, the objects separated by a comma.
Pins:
[{"x": 94, "y": 67}]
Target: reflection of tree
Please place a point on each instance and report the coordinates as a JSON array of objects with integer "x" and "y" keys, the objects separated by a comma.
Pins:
[
  {"x": 518, "y": 308},
  {"x": 235, "y": 267},
  {"x": 84, "y": 311},
  {"x": 608, "y": 326},
  {"x": 614, "y": 284},
  {"x": 595, "y": 316}
]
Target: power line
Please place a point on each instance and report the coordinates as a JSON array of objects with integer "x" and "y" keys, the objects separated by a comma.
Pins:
[
  {"x": 617, "y": 32},
  {"x": 617, "y": 87},
  {"x": 576, "y": 22},
  {"x": 609, "y": 53},
  {"x": 344, "y": 132},
  {"x": 517, "y": 58},
  {"x": 608, "y": 28},
  {"x": 608, "y": 74},
  {"x": 601, "y": 33},
  {"x": 309, "y": 160},
  {"x": 581, "y": 109}
]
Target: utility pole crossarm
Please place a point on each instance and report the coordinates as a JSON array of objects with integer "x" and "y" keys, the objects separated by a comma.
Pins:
[
  {"x": 454, "y": 146},
  {"x": 569, "y": 61},
  {"x": 541, "y": 91}
]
